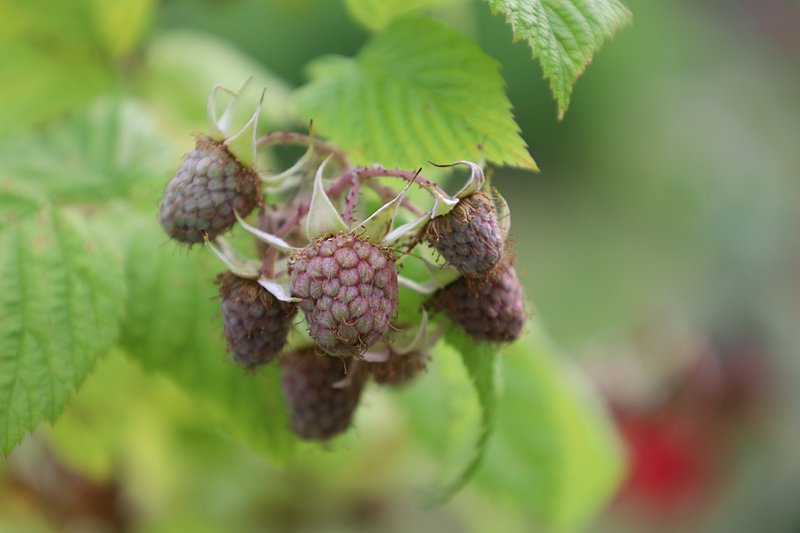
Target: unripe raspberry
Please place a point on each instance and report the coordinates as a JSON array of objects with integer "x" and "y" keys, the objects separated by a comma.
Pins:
[
  {"x": 203, "y": 194},
  {"x": 255, "y": 323},
  {"x": 468, "y": 237},
  {"x": 398, "y": 368},
  {"x": 349, "y": 291},
  {"x": 491, "y": 309},
  {"x": 317, "y": 409}
]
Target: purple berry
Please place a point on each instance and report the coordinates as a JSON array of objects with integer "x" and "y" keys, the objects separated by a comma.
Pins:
[
  {"x": 491, "y": 309},
  {"x": 203, "y": 195},
  {"x": 349, "y": 291},
  {"x": 317, "y": 409},
  {"x": 468, "y": 237},
  {"x": 255, "y": 323}
]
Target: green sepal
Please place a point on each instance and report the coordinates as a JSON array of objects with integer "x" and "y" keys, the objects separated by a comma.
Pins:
[
  {"x": 217, "y": 127},
  {"x": 400, "y": 234},
  {"x": 323, "y": 218},
  {"x": 280, "y": 288},
  {"x": 428, "y": 287},
  {"x": 442, "y": 204},
  {"x": 380, "y": 223},
  {"x": 243, "y": 144},
  {"x": 278, "y": 179},
  {"x": 476, "y": 178},
  {"x": 442, "y": 275},
  {"x": 502, "y": 213},
  {"x": 268, "y": 238},
  {"x": 232, "y": 261},
  {"x": 417, "y": 342}
]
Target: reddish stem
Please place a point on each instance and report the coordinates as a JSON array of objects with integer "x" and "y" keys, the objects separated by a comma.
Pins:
[
  {"x": 387, "y": 193},
  {"x": 336, "y": 188},
  {"x": 289, "y": 137}
]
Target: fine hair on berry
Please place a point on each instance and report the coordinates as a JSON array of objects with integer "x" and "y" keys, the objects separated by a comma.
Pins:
[
  {"x": 255, "y": 323},
  {"x": 399, "y": 368},
  {"x": 468, "y": 237},
  {"x": 204, "y": 193},
  {"x": 349, "y": 292},
  {"x": 488, "y": 309},
  {"x": 318, "y": 410}
]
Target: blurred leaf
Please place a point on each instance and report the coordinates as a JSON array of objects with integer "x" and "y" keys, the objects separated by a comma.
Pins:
[
  {"x": 564, "y": 35},
  {"x": 49, "y": 61},
  {"x": 479, "y": 360},
  {"x": 419, "y": 91},
  {"x": 96, "y": 154},
  {"x": 377, "y": 14},
  {"x": 554, "y": 449},
  {"x": 121, "y": 23},
  {"x": 182, "y": 66},
  {"x": 60, "y": 300},
  {"x": 170, "y": 329}
]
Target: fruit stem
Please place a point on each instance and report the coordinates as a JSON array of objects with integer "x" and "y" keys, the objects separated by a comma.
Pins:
[
  {"x": 289, "y": 137},
  {"x": 408, "y": 175}
]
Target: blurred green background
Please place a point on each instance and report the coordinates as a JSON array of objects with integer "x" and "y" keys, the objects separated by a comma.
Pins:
[{"x": 661, "y": 234}]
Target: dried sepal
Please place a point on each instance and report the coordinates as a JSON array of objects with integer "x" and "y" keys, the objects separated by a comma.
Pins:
[
  {"x": 280, "y": 288},
  {"x": 232, "y": 261},
  {"x": 268, "y": 238}
]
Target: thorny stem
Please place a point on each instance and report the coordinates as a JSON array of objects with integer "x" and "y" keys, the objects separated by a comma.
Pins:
[
  {"x": 387, "y": 193},
  {"x": 289, "y": 137},
  {"x": 351, "y": 200},
  {"x": 339, "y": 184}
]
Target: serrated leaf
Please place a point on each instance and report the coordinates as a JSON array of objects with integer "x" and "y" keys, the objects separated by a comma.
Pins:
[
  {"x": 555, "y": 449},
  {"x": 419, "y": 91},
  {"x": 376, "y": 14},
  {"x": 172, "y": 327},
  {"x": 69, "y": 61},
  {"x": 99, "y": 152},
  {"x": 479, "y": 360},
  {"x": 564, "y": 35},
  {"x": 61, "y": 295}
]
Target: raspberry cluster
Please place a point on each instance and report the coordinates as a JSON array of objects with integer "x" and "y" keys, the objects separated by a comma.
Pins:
[{"x": 319, "y": 254}]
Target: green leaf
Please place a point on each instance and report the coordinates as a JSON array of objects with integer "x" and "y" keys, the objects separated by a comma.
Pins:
[
  {"x": 419, "y": 91},
  {"x": 61, "y": 295},
  {"x": 182, "y": 66},
  {"x": 479, "y": 360},
  {"x": 555, "y": 449},
  {"x": 50, "y": 61},
  {"x": 564, "y": 35},
  {"x": 173, "y": 327},
  {"x": 97, "y": 153},
  {"x": 121, "y": 23},
  {"x": 377, "y": 14}
]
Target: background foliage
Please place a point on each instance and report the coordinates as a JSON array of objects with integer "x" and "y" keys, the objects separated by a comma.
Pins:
[{"x": 672, "y": 178}]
